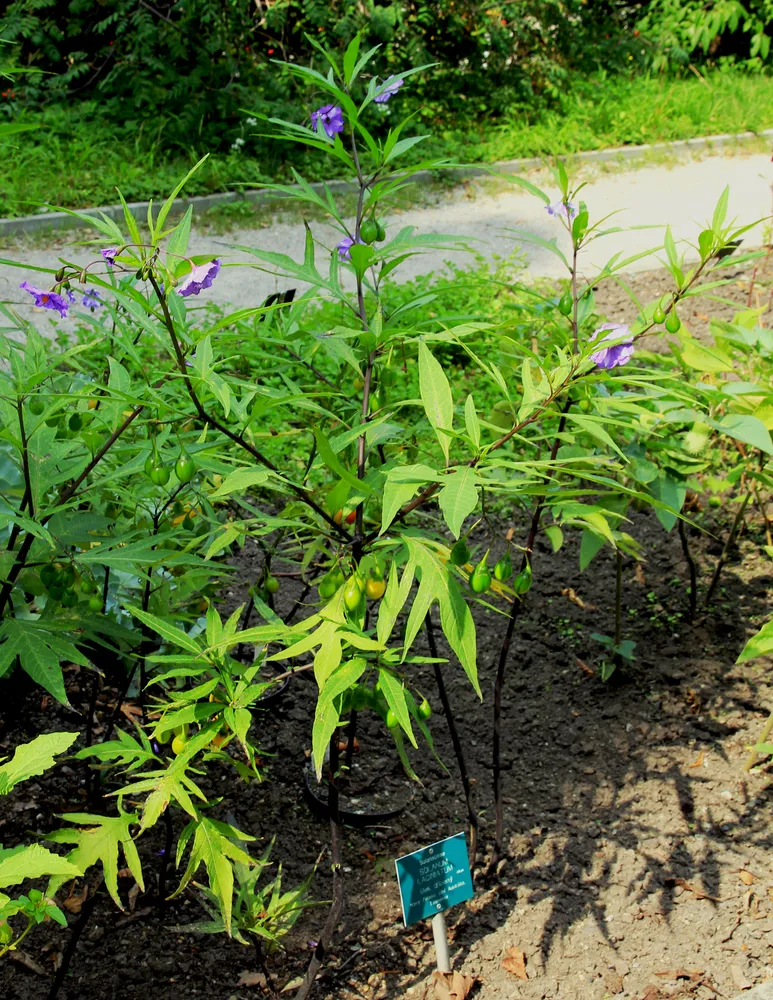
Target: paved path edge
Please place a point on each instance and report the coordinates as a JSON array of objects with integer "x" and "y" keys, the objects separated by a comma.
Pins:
[{"x": 54, "y": 221}]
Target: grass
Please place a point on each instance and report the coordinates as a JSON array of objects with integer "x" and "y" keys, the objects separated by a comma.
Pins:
[{"x": 77, "y": 159}]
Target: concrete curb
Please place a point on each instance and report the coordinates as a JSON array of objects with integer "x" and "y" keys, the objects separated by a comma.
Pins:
[{"x": 55, "y": 221}]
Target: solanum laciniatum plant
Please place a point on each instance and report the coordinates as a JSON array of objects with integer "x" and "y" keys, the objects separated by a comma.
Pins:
[{"x": 162, "y": 437}]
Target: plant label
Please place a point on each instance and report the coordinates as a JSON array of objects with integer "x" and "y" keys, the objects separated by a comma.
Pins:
[{"x": 434, "y": 878}]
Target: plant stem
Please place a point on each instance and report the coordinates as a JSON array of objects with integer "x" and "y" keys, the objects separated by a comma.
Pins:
[
  {"x": 86, "y": 910},
  {"x": 618, "y": 605},
  {"x": 164, "y": 866},
  {"x": 334, "y": 914},
  {"x": 472, "y": 813},
  {"x": 499, "y": 682},
  {"x": 207, "y": 417},
  {"x": 726, "y": 550},
  {"x": 764, "y": 512},
  {"x": 691, "y": 567}
]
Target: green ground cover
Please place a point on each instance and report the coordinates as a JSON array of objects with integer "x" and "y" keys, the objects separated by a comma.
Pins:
[{"x": 78, "y": 158}]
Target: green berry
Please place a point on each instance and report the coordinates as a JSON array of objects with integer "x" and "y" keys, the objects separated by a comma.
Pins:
[
  {"x": 460, "y": 553},
  {"x": 480, "y": 578},
  {"x": 522, "y": 584},
  {"x": 424, "y": 710},
  {"x": 352, "y": 594},
  {"x": 391, "y": 720},
  {"x": 95, "y": 603},
  {"x": 658, "y": 315},
  {"x": 673, "y": 323},
  {"x": 75, "y": 422},
  {"x": 36, "y": 406},
  {"x": 159, "y": 475},
  {"x": 185, "y": 468},
  {"x": 271, "y": 584},
  {"x": 369, "y": 231},
  {"x": 566, "y": 304},
  {"x": 503, "y": 570}
]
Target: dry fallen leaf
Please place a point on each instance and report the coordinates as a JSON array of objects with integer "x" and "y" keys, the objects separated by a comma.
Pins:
[
  {"x": 293, "y": 984},
  {"x": 584, "y": 667},
  {"x": 698, "y": 893},
  {"x": 698, "y": 762},
  {"x": 133, "y": 895},
  {"x": 252, "y": 979},
  {"x": 692, "y": 974},
  {"x": 452, "y": 985},
  {"x": 638, "y": 575},
  {"x": 650, "y": 993},
  {"x": 131, "y": 711},
  {"x": 570, "y": 593},
  {"x": 515, "y": 962},
  {"x": 74, "y": 903},
  {"x": 746, "y": 877}
]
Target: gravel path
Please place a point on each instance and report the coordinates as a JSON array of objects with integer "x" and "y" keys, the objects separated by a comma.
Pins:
[{"x": 648, "y": 197}]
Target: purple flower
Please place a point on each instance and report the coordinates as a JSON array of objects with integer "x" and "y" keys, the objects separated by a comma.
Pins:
[
  {"x": 345, "y": 246},
  {"x": 200, "y": 277},
  {"x": 388, "y": 89},
  {"x": 620, "y": 350},
  {"x": 330, "y": 117},
  {"x": 46, "y": 300},
  {"x": 562, "y": 210},
  {"x": 91, "y": 299},
  {"x": 71, "y": 296},
  {"x": 109, "y": 254}
]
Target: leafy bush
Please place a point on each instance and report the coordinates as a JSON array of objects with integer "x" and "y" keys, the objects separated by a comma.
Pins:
[
  {"x": 196, "y": 66},
  {"x": 364, "y": 442}
]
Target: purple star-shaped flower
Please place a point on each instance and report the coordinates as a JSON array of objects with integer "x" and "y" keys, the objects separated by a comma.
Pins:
[
  {"x": 388, "y": 89},
  {"x": 46, "y": 300},
  {"x": 198, "y": 278},
  {"x": 562, "y": 210},
  {"x": 109, "y": 254},
  {"x": 345, "y": 246},
  {"x": 91, "y": 299},
  {"x": 620, "y": 348},
  {"x": 330, "y": 117},
  {"x": 71, "y": 296}
]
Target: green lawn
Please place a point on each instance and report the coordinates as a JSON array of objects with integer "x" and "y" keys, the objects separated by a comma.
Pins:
[{"x": 78, "y": 160}]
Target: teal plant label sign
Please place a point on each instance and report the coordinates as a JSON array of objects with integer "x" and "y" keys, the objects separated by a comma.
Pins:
[{"x": 434, "y": 878}]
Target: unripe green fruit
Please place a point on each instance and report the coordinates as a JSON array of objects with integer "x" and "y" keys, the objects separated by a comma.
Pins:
[
  {"x": 271, "y": 584},
  {"x": 460, "y": 553},
  {"x": 159, "y": 475},
  {"x": 87, "y": 585},
  {"x": 69, "y": 599},
  {"x": 337, "y": 576},
  {"x": 480, "y": 579},
  {"x": 185, "y": 468},
  {"x": 75, "y": 422},
  {"x": 566, "y": 304},
  {"x": 391, "y": 720},
  {"x": 522, "y": 584},
  {"x": 503, "y": 570},
  {"x": 326, "y": 588},
  {"x": 424, "y": 710},
  {"x": 658, "y": 315},
  {"x": 48, "y": 575},
  {"x": 673, "y": 323},
  {"x": 95, "y": 603},
  {"x": 381, "y": 234},
  {"x": 36, "y": 406},
  {"x": 369, "y": 231},
  {"x": 55, "y": 592},
  {"x": 352, "y": 594}
]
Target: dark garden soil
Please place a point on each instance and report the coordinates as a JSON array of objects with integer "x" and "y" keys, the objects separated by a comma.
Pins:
[{"x": 639, "y": 859}]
